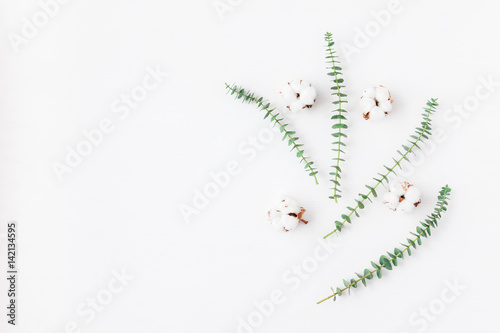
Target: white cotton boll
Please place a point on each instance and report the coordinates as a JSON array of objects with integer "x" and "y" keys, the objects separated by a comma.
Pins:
[
  {"x": 367, "y": 104},
  {"x": 296, "y": 85},
  {"x": 398, "y": 187},
  {"x": 287, "y": 91},
  {"x": 391, "y": 200},
  {"x": 405, "y": 206},
  {"x": 304, "y": 85},
  {"x": 289, "y": 222},
  {"x": 402, "y": 196},
  {"x": 370, "y": 93},
  {"x": 288, "y": 205},
  {"x": 274, "y": 218},
  {"x": 272, "y": 214},
  {"x": 386, "y": 106},
  {"x": 296, "y": 106},
  {"x": 376, "y": 103},
  {"x": 298, "y": 95},
  {"x": 413, "y": 194},
  {"x": 286, "y": 215},
  {"x": 382, "y": 94},
  {"x": 288, "y": 94},
  {"x": 308, "y": 96},
  {"x": 276, "y": 224},
  {"x": 377, "y": 113}
]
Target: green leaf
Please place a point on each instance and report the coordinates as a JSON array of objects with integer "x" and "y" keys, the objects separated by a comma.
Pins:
[
  {"x": 361, "y": 278},
  {"x": 372, "y": 190},
  {"x": 394, "y": 260},
  {"x": 398, "y": 253},
  {"x": 385, "y": 262},
  {"x": 412, "y": 243},
  {"x": 346, "y": 218},
  {"x": 338, "y": 225}
]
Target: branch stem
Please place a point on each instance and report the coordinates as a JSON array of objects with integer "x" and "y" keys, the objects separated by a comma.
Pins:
[
  {"x": 391, "y": 259},
  {"x": 340, "y": 120},
  {"x": 277, "y": 121},
  {"x": 403, "y": 156}
]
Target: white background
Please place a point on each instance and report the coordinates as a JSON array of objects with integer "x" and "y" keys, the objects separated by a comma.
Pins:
[{"x": 119, "y": 209}]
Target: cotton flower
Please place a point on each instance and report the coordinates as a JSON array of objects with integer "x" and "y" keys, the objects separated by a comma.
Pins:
[
  {"x": 376, "y": 103},
  {"x": 298, "y": 95},
  {"x": 286, "y": 215},
  {"x": 402, "y": 196}
]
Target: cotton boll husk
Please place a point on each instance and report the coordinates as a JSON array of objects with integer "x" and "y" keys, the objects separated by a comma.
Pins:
[
  {"x": 413, "y": 194},
  {"x": 370, "y": 92},
  {"x": 289, "y": 222},
  {"x": 367, "y": 104},
  {"x": 308, "y": 96},
  {"x": 377, "y": 113},
  {"x": 382, "y": 94},
  {"x": 391, "y": 200}
]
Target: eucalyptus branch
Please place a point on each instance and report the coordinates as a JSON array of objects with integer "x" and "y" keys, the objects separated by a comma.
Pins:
[
  {"x": 389, "y": 262},
  {"x": 265, "y": 106},
  {"x": 422, "y": 133},
  {"x": 338, "y": 126}
]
